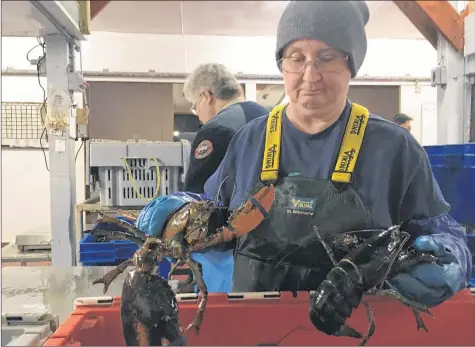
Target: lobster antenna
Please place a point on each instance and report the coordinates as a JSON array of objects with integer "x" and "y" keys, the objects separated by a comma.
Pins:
[{"x": 218, "y": 192}]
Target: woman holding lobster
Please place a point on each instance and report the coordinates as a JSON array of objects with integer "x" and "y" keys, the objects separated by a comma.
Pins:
[{"x": 335, "y": 167}]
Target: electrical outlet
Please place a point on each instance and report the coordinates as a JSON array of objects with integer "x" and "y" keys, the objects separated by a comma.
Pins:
[{"x": 439, "y": 76}]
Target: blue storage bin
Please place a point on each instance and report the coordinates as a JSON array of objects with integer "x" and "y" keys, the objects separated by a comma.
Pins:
[
  {"x": 454, "y": 170},
  {"x": 93, "y": 253}
]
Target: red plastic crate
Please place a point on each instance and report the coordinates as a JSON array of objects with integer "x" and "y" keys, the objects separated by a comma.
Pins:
[{"x": 254, "y": 319}]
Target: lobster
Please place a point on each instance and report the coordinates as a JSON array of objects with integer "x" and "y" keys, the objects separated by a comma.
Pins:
[
  {"x": 368, "y": 258},
  {"x": 149, "y": 308}
]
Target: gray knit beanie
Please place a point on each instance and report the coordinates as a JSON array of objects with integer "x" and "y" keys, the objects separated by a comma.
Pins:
[{"x": 340, "y": 24}]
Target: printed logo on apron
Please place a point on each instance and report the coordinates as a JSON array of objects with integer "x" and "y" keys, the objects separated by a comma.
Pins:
[{"x": 304, "y": 206}]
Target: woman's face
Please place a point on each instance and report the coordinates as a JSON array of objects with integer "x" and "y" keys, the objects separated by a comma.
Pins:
[{"x": 318, "y": 85}]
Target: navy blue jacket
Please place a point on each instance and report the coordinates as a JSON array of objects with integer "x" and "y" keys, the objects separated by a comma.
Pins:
[
  {"x": 212, "y": 141},
  {"x": 392, "y": 175}
]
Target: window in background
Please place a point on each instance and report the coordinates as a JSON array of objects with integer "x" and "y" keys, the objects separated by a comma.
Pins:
[{"x": 185, "y": 127}]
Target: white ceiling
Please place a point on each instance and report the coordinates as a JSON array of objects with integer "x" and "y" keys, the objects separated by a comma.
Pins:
[
  {"x": 29, "y": 19},
  {"x": 236, "y": 18}
]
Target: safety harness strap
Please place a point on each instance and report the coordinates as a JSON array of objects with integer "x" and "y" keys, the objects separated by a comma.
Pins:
[
  {"x": 270, "y": 161},
  {"x": 347, "y": 156}
]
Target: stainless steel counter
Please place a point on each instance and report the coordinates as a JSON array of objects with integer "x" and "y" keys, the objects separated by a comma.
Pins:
[
  {"x": 10, "y": 254},
  {"x": 35, "y": 289}
]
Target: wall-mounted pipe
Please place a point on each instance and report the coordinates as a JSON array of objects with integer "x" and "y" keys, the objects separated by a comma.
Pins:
[{"x": 180, "y": 77}]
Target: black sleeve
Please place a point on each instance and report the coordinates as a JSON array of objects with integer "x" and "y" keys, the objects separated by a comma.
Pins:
[{"x": 207, "y": 152}]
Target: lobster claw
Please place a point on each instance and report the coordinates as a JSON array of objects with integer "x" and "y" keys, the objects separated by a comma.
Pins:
[
  {"x": 243, "y": 220},
  {"x": 248, "y": 217}
]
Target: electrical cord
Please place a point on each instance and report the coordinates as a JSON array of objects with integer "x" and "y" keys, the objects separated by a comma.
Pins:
[
  {"x": 43, "y": 110},
  {"x": 134, "y": 182},
  {"x": 79, "y": 149},
  {"x": 85, "y": 103},
  {"x": 44, "y": 133},
  {"x": 28, "y": 54}
]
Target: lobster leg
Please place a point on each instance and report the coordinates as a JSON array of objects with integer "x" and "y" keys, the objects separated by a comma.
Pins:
[
  {"x": 183, "y": 286},
  {"x": 372, "y": 325},
  {"x": 128, "y": 214},
  {"x": 204, "y": 292},
  {"x": 134, "y": 232},
  {"x": 172, "y": 270},
  {"x": 112, "y": 275},
  {"x": 116, "y": 235},
  {"x": 420, "y": 323},
  {"x": 406, "y": 302}
]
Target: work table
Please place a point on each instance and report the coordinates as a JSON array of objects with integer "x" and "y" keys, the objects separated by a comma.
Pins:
[{"x": 47, "y": 289}]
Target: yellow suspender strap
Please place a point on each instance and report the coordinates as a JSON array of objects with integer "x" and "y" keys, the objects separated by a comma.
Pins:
[
  {"x": 270, "y": 161},
  {"x": 347, "y": 156},
  {"x": 351, "y": 144}
]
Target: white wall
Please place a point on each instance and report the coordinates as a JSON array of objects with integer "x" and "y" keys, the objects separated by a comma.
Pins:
[
  {"x": 249, "y": 55},
  {"x": 25, "y": 180},
  {"x": 420, "y": 102}
]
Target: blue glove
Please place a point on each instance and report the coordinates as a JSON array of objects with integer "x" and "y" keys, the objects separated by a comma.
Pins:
[
  {"x": 217, "y": 266},
  {"x": 430, "y": 284},
  {"x": 155, "y": 214}
]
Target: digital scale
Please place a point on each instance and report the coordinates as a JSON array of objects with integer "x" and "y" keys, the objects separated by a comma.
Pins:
[{"x": 34, "y": 241}]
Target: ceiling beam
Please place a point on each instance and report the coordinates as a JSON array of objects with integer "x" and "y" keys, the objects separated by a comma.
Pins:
[
  {"x": 97, "y": 6},
  {"x": 432, "y": 17}
]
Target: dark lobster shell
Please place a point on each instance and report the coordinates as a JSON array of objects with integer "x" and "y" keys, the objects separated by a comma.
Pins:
[{"x": 149, "y": 311}]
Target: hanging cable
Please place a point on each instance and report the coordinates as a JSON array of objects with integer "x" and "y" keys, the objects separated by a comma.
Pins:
[
  {"x": 43, "y": 109},
  {"x": 79, "y": 149}
]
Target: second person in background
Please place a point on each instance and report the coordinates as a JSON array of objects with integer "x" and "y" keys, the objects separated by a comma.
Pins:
[
  {"x": 403, "y": 120},
  {"x": 217, "y": 100}
]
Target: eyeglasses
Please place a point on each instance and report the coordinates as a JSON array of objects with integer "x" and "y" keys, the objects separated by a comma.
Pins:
[
  {"x": 327, "y": 62},
  {"x": 195, "y": 103}
]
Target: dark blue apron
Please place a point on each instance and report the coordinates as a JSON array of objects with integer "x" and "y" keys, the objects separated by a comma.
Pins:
[{"x": 283, "y": 253}]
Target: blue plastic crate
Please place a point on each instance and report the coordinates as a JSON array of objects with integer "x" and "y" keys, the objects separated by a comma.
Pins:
[
  {"x": 93, "y": 253},
  {"x": 454, "y": 170}
]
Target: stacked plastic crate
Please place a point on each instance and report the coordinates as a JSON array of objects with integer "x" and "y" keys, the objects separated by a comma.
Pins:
[
  {"x": 27, "y": 329},
  {"x": 454, "y": 170},
  {"x": 130, "y": 174}
]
